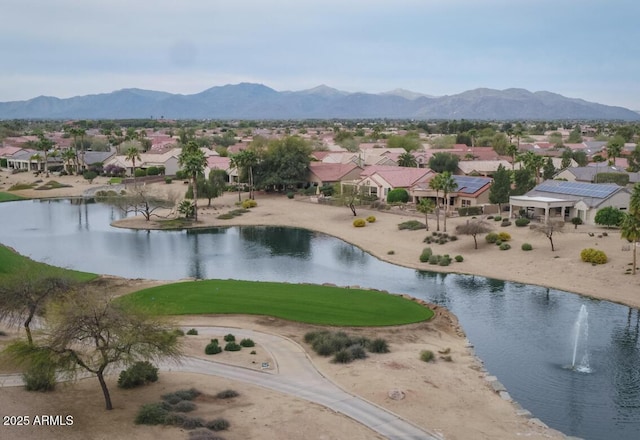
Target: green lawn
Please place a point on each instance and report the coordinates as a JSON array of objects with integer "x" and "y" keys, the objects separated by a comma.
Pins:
[
  {"x": 308, "y": 303},
  {"x": 8, "y": 197},
  {"x": 11, "y": 262}
]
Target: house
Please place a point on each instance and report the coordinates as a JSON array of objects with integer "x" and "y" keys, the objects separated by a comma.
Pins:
[
  {"x": 167, "y": 159},
  {"x": 481, "y": 167},
  {"x": 470, "y": 191},
  {"x": 378, "y": 181},
  {"x": 218, "y": 163},
  {"x": 588, "y": 173},
  {"x": 329, "y": 173},
  {"x": 554, "y": 199}
]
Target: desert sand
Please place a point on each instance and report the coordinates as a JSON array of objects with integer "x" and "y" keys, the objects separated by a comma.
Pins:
[{"x": 453, "y": 399}]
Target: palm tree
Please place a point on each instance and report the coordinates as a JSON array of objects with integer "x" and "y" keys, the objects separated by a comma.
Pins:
[
  {"x": 533, "y": 163},
  {"x": 133, "y": 154},
  {"x": 436, "y": 184},
  {"x": 426, "y": 206},
  {"x": 246, "y": 160},
  {"x": 630, "y": 230},
  {"x": 448, "y": 185},
  {"x": 45, "y": 144},
  {"x": 75, "y": 132},
  {"x": 407, "y": 160},
  {"x": 69, "y": 157},
  {"x": 192, "y": 160},
  {"x": 37, "y": 159}
]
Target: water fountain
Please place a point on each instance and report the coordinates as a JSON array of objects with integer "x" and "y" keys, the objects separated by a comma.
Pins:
[{"x": 580, "y": 359}]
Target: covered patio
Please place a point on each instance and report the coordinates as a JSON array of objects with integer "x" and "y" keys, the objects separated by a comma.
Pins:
[{"x": 542, "y": 206}]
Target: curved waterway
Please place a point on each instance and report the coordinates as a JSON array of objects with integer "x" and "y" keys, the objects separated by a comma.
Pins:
[{"x": 523, "y": 333}]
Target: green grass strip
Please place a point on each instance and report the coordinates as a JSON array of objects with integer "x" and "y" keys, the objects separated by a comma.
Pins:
[
  {"x": 8, "y": 197},
  {"x": 313, "y": 304},
  {"x": 12, "y": 262}
]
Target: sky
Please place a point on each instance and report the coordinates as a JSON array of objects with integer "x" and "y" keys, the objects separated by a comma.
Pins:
[{"x": 587, "y": 49}]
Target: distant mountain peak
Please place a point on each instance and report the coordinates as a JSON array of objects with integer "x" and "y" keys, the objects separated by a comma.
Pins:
[
  {"x": 407, "y": 94},
  {"x": 324, "y": 90}
]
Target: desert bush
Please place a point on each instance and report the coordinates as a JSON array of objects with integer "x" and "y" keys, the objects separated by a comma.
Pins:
[
  {"x": 184, "y": 406},
  {"x": 504, "y": 236},
  {"x": 398, "y": 195},
  {"x": 218, "y": 424},
  {"x": 139, "y": 172},
  {"x": 40, "y": 376},
  {"x": 594, "y": 256},
  {"x": 168, "y": 180},
  {"x": 178, "y": 332},
  {"x": 249, "y": 203},
  {"x": 359, "y": 223},
  {"x": 290, "y": 195},
  {"x": 491, "y": 237},
  {"x": 342, "y": 357},
  {"x": 425, "y": 255},
  {"x": 153, "y": 171},
  {"x": 427, "y": 356},
  {"x": 378, "y": 345},
  {"x": 357, "y": 351},
  {"x": 138, "y": 374},
  {"x": 192, "y": 422},
  {"x": 521, "y": 222},
  {"x": 177, "y": 396},
  {"x": 526, "y": 247},
  {"x": 497, "y": 218},
  {"x": 151, "y": 414},
  {"x": 309, "y": 337},
  {"x": 212, "y": 347},
  {"x": 229, "y": 338},
  {"x": 192, "y": 331},
  {"x": 391, "y": 252},
  {"x": 203, "y": 434},
  {"x": 371, "y": 219},
  {"x": 459, "y": 258},
  {"x": 227, "y": 394},
  {"x": 505, "y": 223},
  {"x": 247, "y": 343},
  {"x": 232, "y": 346},
  {"x": 434, "y": 259},
  {"x": 444, "y": 260},
  {"x": 411, "y": 225},
  {"x": 505, "y": 246}
]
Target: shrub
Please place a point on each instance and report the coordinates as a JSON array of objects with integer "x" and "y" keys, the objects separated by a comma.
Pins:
[
  {"x": 153, "y": 171},
  {"x": 180, "y": 395},
  {"x": 139, "y": 172},
  {"x": 40, "y": 377},
  {"x": 191, "y": 422},
  {"x": 151, "y": 414},
  {"x": 232, "y": 346},
  {"x": 357, "y": 351},
  {"x": 184, "y": 406},
  {"x": 505, "y": 223},
  {"x": 425, "y": 255},
  {"x": 181, "y": 175},
  {"x": 470, "y": 210},
  {"x": 229, "y": 338},
  {"x": 90, "y": 175},
  {"x": 594, "y": 256},
  {"x": 378, "y": 345},
  {"x": 290, "y": 195},
  {"x": 576, "y": 221},
  {"x": 178, "y": 332},
  {"x": 434, "y": 259},
  {"x": 459, "y": 258},
  {"x": 491, "y": 237},
  {"x": 371, "y": 219},
  {"x": 192, "y": 331},
  {"x": 398, "y": 195},
  {"x": 138, "y": 374},
  {"x": 505, "y": 246},
  {"x": 427, "y": 356},
  {"x": 445, "y": 260},
  {"x": 521, "y": 222},
  {"x": 497, "y": 218},
  {"x": 526, "y": 247},
  {"x": 168, "y": 180},
  {"x": 412, "y": 225},
  {"x": 249, "y": 203},
  {"x": 359, "y": 223},
  {"x": 498, "y": 242},
  {"x": 227, "y": 394},
  {"x": 391, "y": 252},
  {"x": 218, "y": 424},
  {"x": 203, "y": 434},
  {"x": 342, "y": 357},
  {"x": 225, "y": 216},
  {"x": 212, "y": 348},
  {"x": 504, "y": 236},
  {"x": 247, "y": 343}
]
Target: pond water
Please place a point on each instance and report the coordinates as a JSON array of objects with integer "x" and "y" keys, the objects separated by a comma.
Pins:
[{"x": 523, "y": 333}]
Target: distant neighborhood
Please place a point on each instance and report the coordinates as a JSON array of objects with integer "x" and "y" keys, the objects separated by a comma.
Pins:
[{"x": 555, "y": 171}]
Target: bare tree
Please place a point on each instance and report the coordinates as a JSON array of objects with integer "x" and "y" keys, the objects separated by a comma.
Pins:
[
  {"x": 548, "y": 229},
  {"x": 473, "y": 228},
  {"x": 25, "y": 294},
  {"x": 140, "y": 201},
  {"x": 89, "y": 331}
]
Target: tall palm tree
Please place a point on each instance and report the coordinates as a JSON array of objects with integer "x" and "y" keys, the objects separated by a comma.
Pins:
[
  {"x": 69, "y": 158},
  {"x": 426, "y": 206},
  {"x": 44, "y": 144},
  {"x": 407, "y": 160},
  {"x": 436, "y": 184},
  {"x": 133, "y": 154},
  {"x": 630, "y": 230},
  {"x": 192, "y": 160},
  {"x": 448, "y": 185}
]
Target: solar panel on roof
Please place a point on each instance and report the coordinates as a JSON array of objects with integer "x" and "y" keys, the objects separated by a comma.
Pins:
[
  {"x": 470, "y": 184},
  {"x": 599, "y": 191}
]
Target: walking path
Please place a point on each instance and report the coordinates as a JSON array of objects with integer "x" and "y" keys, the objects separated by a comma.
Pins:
[{"x": 293, "y": 374}]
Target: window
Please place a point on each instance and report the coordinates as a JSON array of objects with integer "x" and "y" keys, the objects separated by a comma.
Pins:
[{"x": 465, "y": 203}]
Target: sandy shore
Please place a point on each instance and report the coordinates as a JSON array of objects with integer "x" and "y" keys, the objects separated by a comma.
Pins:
[{"x": 451, "y": 398}]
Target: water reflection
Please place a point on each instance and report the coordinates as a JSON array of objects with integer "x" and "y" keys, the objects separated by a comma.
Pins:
[{"x": 521, "y": 332}]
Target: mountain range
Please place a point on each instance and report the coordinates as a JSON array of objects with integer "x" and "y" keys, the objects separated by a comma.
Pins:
[{"x": 257, "y": 101}]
